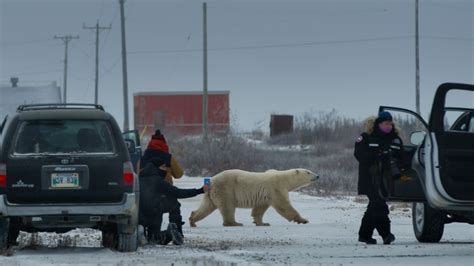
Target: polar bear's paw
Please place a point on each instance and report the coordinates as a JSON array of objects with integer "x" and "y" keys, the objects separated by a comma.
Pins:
[
  {"x": 233, "y": 224},
  {"x": 300, "y": 220},
  {"x": 262, "y": 224}
]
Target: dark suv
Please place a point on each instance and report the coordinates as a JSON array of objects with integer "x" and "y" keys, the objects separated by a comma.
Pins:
[
  {"x": 442, "y": 163},
  {"x": 66, "y": 166}
]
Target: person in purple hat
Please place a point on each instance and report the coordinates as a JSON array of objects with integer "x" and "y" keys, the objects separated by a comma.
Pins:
[{"x": 376, "y": 150}]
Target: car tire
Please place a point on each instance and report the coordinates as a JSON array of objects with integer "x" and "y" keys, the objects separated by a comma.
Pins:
[
  {"x": 428, "y": 223},
  {"x": 128, "y": 242},
  {"x": 4, "y": 225}
]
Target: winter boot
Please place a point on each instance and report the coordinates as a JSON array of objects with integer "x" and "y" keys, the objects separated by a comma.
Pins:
[
  {"x": 388, "y": 239},
  {"x": 142, "y": 239},
  {"x": 165, "y": 237},
  {"x": 180, "y": 228},
  {"x": 176, "y": 236},
  {"x": 368, "y": 240}
]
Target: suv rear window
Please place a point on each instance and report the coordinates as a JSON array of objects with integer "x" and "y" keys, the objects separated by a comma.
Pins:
[{"x": 63, "y": 136}]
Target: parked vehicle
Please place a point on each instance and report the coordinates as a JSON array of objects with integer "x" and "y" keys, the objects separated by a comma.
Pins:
[
  {"x": 442, "y": 164},
  {"x": 66, "y": 166}
]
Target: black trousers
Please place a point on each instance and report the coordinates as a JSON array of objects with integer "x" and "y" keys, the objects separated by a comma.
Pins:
[
  {"x": 375, "y": 217},
  {"x": 164, "y": 205}
]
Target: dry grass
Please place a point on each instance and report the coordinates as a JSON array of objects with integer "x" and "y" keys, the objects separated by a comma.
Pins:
[{"x": 327, "y": 137}]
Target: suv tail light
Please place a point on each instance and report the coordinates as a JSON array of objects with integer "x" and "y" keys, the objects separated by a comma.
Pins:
[
  {"x": 128, "y": 174},
  {"x": 3, "y": 175}
]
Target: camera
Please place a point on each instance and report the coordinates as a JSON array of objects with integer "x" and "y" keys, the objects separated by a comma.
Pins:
[{"x": 394, "y": 170}]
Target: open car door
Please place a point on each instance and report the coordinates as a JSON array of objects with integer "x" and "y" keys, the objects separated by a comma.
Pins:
[
  {"x": 450, "y": 148},
  {"x": 132, "y": 139},
  {"x": 410, "y": 190}
]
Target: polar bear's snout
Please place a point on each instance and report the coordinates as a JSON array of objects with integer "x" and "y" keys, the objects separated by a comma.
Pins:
[{"x": 314, "y": 177}]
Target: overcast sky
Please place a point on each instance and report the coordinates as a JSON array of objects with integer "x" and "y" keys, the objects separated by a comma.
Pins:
[{"x": 286, "y": 57}]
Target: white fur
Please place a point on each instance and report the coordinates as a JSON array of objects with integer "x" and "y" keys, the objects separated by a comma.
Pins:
[{"x": 241, "y": 189}]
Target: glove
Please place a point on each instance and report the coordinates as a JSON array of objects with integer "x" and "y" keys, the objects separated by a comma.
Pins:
[
  {"x": 405, "y": 178},
  {"x": 382, "y": 154}
]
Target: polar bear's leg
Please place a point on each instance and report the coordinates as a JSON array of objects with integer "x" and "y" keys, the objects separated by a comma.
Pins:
[
  {"x": 228, "y": 215},
  {"x": 257, "y": 214},
  {"x": 206, "y": 208},
  {"x": 283, "y": 206}
]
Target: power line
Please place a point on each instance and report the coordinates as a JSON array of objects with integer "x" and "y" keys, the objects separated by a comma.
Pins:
[
  {"x": 97, "y": 29},
  {"x": 111, "y": 67},
  {"x": 24, "y": 42},
  {"x": 251, "y": 47},
  {"x": 101, "y": 11},
  {"x": 36, "y": 72},
  {"x": 109, "y": 31},
  {"x": 35, "y": 66},
  {"x": 448, "y": 38},
  {"x": 66, "y": 39}
]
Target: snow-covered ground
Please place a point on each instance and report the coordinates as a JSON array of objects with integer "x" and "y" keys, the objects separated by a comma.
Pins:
[{"x": 329, "y": 239}]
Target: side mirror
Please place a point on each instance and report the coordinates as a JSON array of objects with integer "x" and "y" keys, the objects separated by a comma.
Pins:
[
  {"x": 417, "y": 137},
  {"x": 130, "y": 146}
]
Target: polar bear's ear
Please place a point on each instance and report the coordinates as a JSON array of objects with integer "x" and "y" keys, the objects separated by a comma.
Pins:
[{"x": 297, "y": 171}]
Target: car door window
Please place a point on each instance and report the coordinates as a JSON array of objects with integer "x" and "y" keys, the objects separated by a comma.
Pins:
[
  {"x": 463, "y": 121},
  {"x": 471, "y": 124},
  {"x": 3, "y": 124},
  {"x": 132, "y": 136},
  {"x": 63, "y": 136}
]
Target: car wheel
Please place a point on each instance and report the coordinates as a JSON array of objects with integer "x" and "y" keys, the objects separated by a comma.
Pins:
[
  {"x": 428, "y": 223},
  {"x": 128, "y": 242}
]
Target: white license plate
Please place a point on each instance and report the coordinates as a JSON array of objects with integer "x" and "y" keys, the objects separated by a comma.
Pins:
[{"x": 65, "y": 180}]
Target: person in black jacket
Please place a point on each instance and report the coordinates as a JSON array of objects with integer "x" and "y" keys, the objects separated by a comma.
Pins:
[
  {"x": 158, "y": 148},
  {"x": 379, "y": 151},
  {"x": 158, "y": 197}
]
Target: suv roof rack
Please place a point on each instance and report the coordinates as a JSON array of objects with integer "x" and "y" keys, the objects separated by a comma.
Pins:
[{"x": 45, "y": 106}]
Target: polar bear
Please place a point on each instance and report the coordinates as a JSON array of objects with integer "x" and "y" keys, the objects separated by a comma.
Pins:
[{"x": 233, "y": 189}]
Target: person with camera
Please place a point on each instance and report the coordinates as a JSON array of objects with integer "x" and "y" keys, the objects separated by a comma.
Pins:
[
  {"x": 157, "y": 196},
  {"x": 158, "y": 148},
  {"x": 379, "y": 152}
]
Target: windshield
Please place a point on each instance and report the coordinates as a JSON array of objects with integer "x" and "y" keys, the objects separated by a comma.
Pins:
[{"x": 63, "y": 136}]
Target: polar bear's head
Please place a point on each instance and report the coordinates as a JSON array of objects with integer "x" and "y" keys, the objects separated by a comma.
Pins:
[{"x": 297, "y": 178}]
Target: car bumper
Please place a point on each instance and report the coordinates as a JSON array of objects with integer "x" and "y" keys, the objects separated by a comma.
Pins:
[{"x": 128, "y": 206}]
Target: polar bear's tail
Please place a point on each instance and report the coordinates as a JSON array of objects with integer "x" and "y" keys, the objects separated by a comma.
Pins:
[{"x": 206, "y": 208}]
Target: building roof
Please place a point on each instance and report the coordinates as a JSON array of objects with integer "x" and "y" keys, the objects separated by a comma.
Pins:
[
  {"x": 12, "y": 97},
  {"x": 147, "y": 93}
]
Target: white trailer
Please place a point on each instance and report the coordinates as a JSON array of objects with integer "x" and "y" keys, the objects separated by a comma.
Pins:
[{"x": 12, "y": 96}]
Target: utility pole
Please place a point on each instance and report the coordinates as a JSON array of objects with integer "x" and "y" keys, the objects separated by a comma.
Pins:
[
  {"x": 124, "y": 68},
  {"x": 204, "y": 95},
  {"x": 66, "y": 39},
  {"x": 417, "y": 40},
  {"x": 97, "y": 29}
]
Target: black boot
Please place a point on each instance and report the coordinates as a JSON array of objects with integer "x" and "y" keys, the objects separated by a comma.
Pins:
[
  {"x": 388, "y": 239},
  {"x": 176, "y": 236},
  {"x": 367, "y": 240},
  {"x": 165, "y": 237},
  {"x": 180, "y": 228},
  {"x": 153, "y": 236}
]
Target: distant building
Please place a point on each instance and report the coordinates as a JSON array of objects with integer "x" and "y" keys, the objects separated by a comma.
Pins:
[
  {"x": 13, "y": 95},
  {"x": 280, "y": 125},
  {"x": 180, "y": 112}
]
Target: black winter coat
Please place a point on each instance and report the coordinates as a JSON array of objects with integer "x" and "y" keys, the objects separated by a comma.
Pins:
[
  {"x": 371, "y": 149},
  {"x": 152, "y": 189},
  {"x": 150, "y": 154}
]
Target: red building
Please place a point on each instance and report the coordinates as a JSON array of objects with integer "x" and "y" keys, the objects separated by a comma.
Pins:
[{"x": 180, "y": 112}]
